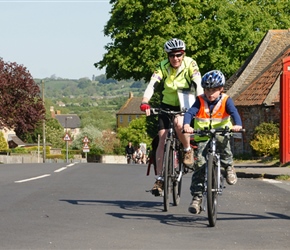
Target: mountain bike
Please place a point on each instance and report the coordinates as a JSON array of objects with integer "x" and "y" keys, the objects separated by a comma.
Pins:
[
  {"x": 213, "y": 177},
  {"x": 173, "y": 168}
]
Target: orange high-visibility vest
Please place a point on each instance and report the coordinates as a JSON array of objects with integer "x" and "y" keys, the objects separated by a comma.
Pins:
[{"x": 218, "y": 118}]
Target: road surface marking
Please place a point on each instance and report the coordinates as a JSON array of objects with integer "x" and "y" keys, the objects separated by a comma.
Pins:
[
  {"x": 60, "y": 169},
  {"x": 272, "y": 181},
  {"x": 64, "y": 168},
  {"x": 33, "y": 178}
]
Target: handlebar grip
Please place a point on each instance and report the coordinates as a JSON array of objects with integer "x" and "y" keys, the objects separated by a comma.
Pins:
[
  {"x": 240, "y": 131},
  {"x": 154, "y": 111}
]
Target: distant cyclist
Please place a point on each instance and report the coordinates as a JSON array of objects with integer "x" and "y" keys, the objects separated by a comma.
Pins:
[
  {"x": 129, "y": 152},
  {"x": 176, "y": 72},
  {"x": 139, "y": 156}
]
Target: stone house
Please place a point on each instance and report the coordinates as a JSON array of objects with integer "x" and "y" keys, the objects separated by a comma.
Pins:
[
  {"x": 255, "y": 87},
  {"x": 129, "y": 111},
  {"x": 70, "y": 122}
]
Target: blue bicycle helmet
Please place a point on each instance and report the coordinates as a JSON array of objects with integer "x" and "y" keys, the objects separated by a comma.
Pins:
[{"x": 213, "y": 79}]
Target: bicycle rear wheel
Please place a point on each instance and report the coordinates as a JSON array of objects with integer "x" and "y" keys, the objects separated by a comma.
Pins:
[
  {"x": 167, "y": 169},
  {"x": 176, "y": 185},
  {"x": 212, "y": 191}
]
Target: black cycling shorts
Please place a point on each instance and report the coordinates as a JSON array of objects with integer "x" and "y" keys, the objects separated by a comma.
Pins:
[{"x": 163, "y": 120}]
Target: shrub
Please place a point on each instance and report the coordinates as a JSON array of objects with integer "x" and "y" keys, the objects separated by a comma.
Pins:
[
  {"x": 19, "y": 150},
  {"x": 266, "y": 140},
  {"x": 55, "y": 156}
]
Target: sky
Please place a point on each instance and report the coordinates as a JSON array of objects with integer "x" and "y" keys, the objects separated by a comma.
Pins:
[{"x": 54, "y": 37}]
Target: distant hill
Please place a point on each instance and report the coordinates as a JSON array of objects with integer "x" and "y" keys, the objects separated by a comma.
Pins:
[{"x": 81, "y": 95}]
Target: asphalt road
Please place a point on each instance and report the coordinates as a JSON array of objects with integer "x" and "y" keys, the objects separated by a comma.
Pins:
[{"x": 98, "y": 206}]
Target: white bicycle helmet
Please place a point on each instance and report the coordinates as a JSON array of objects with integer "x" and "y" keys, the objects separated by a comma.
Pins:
[
  {"x": 174, "y": 44},
  {"x": 213, "y": 79}
]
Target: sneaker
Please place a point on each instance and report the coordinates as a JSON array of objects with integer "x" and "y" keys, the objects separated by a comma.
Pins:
[
  {"x": 188, "y": 159},
  {"x": 231, "y": 176},
  {"x": 194, "y": 206},
  {"x": 157, "y": 188}
]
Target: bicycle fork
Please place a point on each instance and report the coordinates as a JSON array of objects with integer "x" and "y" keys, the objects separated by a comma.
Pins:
[{"x": 220, "y": 180}]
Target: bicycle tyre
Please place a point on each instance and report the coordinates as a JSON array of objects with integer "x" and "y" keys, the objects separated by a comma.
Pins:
[
  {"x": 176, "y": 185},
  {"x": 212, "y": 191},
  {"x": 167, "y": 167}
]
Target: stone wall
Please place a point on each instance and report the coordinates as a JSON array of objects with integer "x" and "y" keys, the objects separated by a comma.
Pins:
[
  {"x": 9, "y": 159},
  {"x": 19, "y": 159},
  {"x": 113, "y": 159}
]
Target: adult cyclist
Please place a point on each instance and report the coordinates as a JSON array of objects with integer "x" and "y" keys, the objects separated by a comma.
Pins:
[
  {"x": 176, "y": 72},
  {"x": 129, "y": 152}
]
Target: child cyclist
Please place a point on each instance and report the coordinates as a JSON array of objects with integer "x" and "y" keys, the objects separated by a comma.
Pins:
[{"x": 213, "y": 109}]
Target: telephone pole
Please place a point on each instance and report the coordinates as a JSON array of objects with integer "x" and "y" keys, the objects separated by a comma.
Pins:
[{"x": 43, "y": 125}]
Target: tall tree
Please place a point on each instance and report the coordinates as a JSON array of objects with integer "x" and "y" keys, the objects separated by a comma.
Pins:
[
  {"x": 218, "y": 34},
  {"x": 21, "y": 106}
]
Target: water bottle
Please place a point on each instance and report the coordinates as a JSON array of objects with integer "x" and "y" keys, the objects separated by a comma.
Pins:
[{"x": 175, "y": 159}]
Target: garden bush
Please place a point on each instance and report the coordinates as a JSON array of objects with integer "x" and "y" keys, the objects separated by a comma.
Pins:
[{"x": 266, "y": 140}]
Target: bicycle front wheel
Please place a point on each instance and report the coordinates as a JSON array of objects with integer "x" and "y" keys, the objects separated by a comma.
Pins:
[
  {"x": 212, "y": 191},
  {"x": 167, "y": 169},
  {"x": 176, "y": 185}
]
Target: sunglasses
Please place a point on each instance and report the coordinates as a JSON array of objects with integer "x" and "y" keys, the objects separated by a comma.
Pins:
[{"x": 175, "y": 55}]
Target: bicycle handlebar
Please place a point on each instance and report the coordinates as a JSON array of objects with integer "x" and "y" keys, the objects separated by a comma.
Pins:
[
  {"x": 214, "y": 131},
  {"x": 157, "y": 111}
]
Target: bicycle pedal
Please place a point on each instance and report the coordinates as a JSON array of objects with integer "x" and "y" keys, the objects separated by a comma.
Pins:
[{"x": 155, "y": 192}]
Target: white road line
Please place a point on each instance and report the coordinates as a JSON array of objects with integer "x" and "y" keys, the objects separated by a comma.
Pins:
[
  {"x": 33, "y": 178},
  {"x": 60, "y": 169},
  {"x": 64, "y": 168},
  {"x": 271, "y": 181}
]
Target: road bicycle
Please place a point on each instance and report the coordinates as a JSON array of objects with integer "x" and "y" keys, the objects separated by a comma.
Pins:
[
  {"x": 173, "y": 168},
  {"x": 213, "y": 176}
]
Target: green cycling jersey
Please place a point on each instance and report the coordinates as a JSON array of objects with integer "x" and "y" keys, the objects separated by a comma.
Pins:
[{"x": 173, "y": 79}]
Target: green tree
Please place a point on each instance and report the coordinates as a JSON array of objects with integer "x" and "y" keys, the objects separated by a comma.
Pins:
[
  {"x": 21, "y": 106},
  {"x": 54, "y": 133},
  {"x": 91, "y": 132},
  {"x": 136, "y": 132},
  {"x": 84, "y": 83},
  {"x": 218, "y": 34}
]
